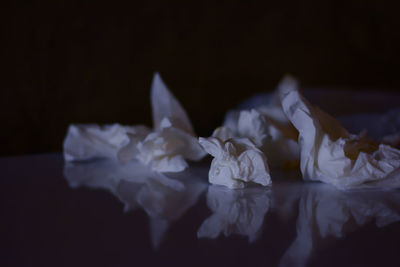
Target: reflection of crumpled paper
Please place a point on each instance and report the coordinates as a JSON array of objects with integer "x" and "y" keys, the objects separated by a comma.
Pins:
[
  {"x": 326, "y": 212},
  {"x": 239, "y": 212},
  {"x": 164, "y": 198},
  {"x": 162, "y": 203},
  {"x": 236, "y": 162},
  {"x": 267, "y": 126},
  {"x": 165, "y": 149},
  {"x": 330, "y": 154}
]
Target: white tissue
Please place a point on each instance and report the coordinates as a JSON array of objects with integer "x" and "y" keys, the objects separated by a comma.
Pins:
[
  {"x": 165, "y": 105},
  {"x": 236, "y": 162},
  {"x": 172, "y": 142},
  {"x": 330, "y": 154},
  {"x": 89, "y": 141},
  {"x": 165, "y": 148},
  {"x": 269, "y": 129}
]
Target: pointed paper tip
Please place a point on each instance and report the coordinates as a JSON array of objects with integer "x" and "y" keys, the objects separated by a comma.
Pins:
[
  {"x": 289, "y": 76},
  {"x": 289, "y": 80},
  {"x": 156, "y": 76},
  {"x": 164, "y": 104},
  {"x": 288, "y": 84},
  {"x": 159, "y": 91},
  {"x": 157, "y": 82}
]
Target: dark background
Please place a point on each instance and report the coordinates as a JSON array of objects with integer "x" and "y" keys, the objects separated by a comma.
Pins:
[{"x": 65, "y": 63}]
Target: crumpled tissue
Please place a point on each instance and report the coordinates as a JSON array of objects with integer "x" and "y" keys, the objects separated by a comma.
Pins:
[
  {"x": 330, "y": 154},
  {"x": 165, "y": 148},
  {"x": 89, "y": 141},
  {"x": 172, "y": 141},
  {"x": 267, "y": 126},
  {"x": 237, "y": 162}
]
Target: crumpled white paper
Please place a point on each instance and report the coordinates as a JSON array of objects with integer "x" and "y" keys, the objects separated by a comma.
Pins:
[
  {"x": 171, "y": 142},
  {"x": 237, "y": 162},
  {"x": 267, "y": 126},
  {"x": 250, "y": 124},
  {"x": 239, "y": 212},
  {"x": 354, "y": 118},
  {"x": 90, "y": 141},
  {"x": 330, "y": 154},
  {"x": 165, "y": 148}
]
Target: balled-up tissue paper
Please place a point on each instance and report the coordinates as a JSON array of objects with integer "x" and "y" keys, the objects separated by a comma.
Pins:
[
  {"x": 164, "y": 149},
  {"x": 91, "y": 141},
  {"x": 267, "y": 126},
  {"x": 172, "y": 140},
  {"x": 237, "y": 162},
  {"x": 330, "y": 154}
]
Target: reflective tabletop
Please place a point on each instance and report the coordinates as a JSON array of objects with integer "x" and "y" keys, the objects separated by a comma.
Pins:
[{"x": 104, "y": 213}]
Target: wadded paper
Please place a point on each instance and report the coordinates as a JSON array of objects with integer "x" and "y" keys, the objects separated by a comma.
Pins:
[
  {"x": 165, "y": 148},
  {"x": 267, "y": 126},
  {"x": 90, "y": 141},
  {"x": 237, "y": 162},
  {"x": 330, "y": 154},
  {"x": 172, "y": 140}
]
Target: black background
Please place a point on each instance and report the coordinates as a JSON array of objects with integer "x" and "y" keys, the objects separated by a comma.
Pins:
[{"x": 65, "y": 63}]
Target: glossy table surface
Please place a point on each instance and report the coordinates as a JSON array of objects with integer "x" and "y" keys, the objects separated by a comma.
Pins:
[{"x": 102, "y": 213}]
